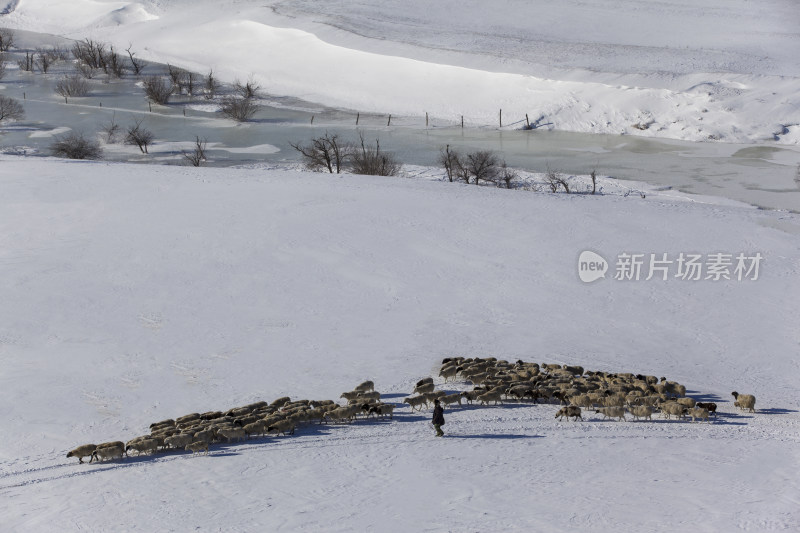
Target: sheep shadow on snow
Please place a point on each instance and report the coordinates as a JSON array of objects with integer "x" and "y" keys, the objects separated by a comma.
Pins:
[
  {"x": 705, "y": 396},
  {"x": 493, "y": 436},
  {"x": 776, "y": 411}
]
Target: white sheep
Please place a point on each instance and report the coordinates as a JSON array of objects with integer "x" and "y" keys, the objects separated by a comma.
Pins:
[
  {"x": 492, "y": 396},
  {"x": 141, "y": 446},
  {"x": 641, "y": 411},
  {"x": 672, "y": 408},
  {"x": 197, "y": 447},
  {"x": 612, "y": 412},
  {"x": 448, "y": 399},
  {"x": 744, "y": 401},
  {"x": 286, "y": 427},
  {"x": 686, "y": 402},
  {"x": 83, "y": 451},
  {"x": 179, "y": 441},
  {"x": 351, "y": 395},
  {"x": 231, "y": 433},
  {"x": 374, "y": 395},
  {"x": 698, "y": 412},
  {"x": 365, "y": 386},
  {"x": 425, "y": 387},
  {"x": 416, "y": 402},
  {"x": 108, "y": 452},
  {"x": 449, "y": 372},
  {"x": 383, "y": 409},
  {"x": 255, "y": 428}
]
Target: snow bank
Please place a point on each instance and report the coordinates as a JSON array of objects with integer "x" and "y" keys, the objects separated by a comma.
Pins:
[
  {"x": 139, "y": 293},
  {"x": 715, "y": 71}
]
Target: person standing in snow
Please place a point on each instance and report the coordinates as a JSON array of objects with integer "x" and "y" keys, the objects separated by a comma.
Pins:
[{"x": 438, "y": 418}]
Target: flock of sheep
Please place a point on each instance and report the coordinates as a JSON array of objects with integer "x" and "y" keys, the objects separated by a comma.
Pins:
[
  {"x": 612, "y": 395},
  {"x": 195, "y": 431}
]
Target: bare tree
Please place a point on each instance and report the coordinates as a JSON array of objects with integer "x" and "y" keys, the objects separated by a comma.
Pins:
[
  {"x": 72, "y": 85},
  {"x": 139, "y": 136},
  {"x": 6, "y": 39},
  {"x": 10, "y": 109},
  {"x": 136, "y": 64},
  {"x": 482, "y": 166},
  {"x": 373, "y": 162},
  {"x": 59, "y": 53},
  {"x": 157, "y": 89},
  {"x": 593, "y": 175},
  {"x": 3, "y": 62},
  {"x": 76, "y": 146},
  {"x": 111, "y": 130},
  {"x": 90, "y": 52},
  {"x": 198, "y": 155},
  {"x": 27, "y": 64},
  {"x": 211, "y": 85},
  {"x": 239, "y": 109},
  {"x": 451, "y": 161},
  {"x": 325, "y": 152},
  {"x": 249, "y": 89}
]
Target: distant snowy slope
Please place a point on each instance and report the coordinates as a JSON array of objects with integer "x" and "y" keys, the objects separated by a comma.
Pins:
[
  {"x": 138, "y": 293},
  {"x": 699, "y": 71}
]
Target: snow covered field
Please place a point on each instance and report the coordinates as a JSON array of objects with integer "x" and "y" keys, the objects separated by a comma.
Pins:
[
  {"x": 134, "y": 294},
  {"x": 717, "y": 69}
]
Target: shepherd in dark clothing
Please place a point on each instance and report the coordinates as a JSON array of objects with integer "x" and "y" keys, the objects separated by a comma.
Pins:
[{"x": 438, "y": 418}]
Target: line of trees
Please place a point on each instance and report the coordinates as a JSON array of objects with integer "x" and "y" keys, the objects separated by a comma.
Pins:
[{"x": 335, "y": 155}]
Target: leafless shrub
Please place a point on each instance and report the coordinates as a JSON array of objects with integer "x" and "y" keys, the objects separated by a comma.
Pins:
[
  {"x": 3, "y": 62},
  {"x": 85, "y": 70},
  {"x": 111, "y": 130},
  {"x": 555, "y": 180},
  {"x": 10, "y": 109},
  {"x": 136, "y": 64},
  {"x": 482, "y": 166},
  {"x": 113, "y": 64},
  {"x": 157, "y": 89},
  {"x": 6, "y": 39},
  {"x": 138, "y": 135},
  {"x": 76, "y": 146},
  {"x": 507, "y": 176},
  {"x": 59, "y": 53},
  {"x": 247, "y": 90},
  {"x": 325, "y": 152},
  {"x": 198, "y": 154},
  {"x": 373, "y": 162},
  {"x": 211, "y": 86},
  {"x": 27, "y": 64},
  {"x": 593, "y": 175},
  {"x": 43, "y": 60},
  {"x": 73, "y": 85},
  {"x": 239, "y": 109}
]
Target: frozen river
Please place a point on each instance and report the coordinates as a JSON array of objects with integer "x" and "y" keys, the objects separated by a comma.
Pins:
[{"x": 765, "y": 174}]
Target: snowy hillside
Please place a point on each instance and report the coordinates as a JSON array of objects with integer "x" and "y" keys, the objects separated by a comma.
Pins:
[
  {"x": 138, "y": 293},
  {"x": 716, "y": 69}
]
